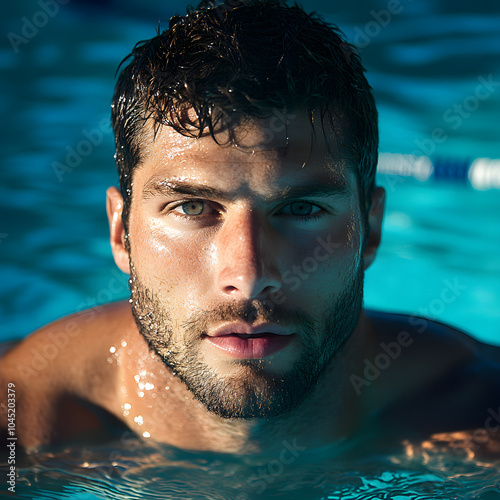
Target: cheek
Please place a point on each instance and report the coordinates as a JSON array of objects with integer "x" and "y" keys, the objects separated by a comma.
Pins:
[
  {"x": 334, "y": 255},
  {"x": 351, "y": 240},
  {"x": 166, "y": 262}
]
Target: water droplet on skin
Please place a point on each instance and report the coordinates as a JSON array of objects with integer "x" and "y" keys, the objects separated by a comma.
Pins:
[
  {"x": 141, "y": 394},
  {"x": 139, "y": 420},
  {"x": 127, "y": 406},
  {"x": 146, "y": 434},
  {"x": 112, "y": 349}
]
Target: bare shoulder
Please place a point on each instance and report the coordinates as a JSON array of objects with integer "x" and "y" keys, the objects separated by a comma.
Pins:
[
  {"x": 447, "y": 381},
  {"x": 61, "y": 374},
  {"x": 448, "y": 343}
]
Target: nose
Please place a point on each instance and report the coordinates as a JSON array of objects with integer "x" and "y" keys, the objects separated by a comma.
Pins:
[{"x": 247, "y": 258}]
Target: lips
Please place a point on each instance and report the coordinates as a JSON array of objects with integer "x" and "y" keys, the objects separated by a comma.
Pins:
[
  {"x": 245, "y": 329},
  {"x": 242, "y": 341}
]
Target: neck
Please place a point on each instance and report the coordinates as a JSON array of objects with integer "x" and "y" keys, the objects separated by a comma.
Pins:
[{"x": 157, "y": 405}]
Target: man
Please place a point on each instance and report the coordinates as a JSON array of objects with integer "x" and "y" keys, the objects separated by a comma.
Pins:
[{"x": 247, "y": 214}]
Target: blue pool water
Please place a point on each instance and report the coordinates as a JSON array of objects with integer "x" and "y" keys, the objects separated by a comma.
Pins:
[
  {"x": 130, "y": 469},
  {"x": 425, "y": 65},
  {"x": 56, "y": 93}
]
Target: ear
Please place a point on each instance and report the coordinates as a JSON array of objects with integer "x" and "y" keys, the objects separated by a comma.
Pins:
[
  {"x": 375, "y": 222},
  {"x": 114, "y": 208}
]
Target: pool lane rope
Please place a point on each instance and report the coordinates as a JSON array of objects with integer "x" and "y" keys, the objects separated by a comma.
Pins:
[{"x": 481, "y": 173}]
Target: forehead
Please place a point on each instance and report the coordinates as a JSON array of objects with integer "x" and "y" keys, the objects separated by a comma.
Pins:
[{"x": 276, "y": 151}]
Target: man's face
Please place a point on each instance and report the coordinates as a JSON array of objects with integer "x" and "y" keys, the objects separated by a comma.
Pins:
[{"x": 246, "y": 263}]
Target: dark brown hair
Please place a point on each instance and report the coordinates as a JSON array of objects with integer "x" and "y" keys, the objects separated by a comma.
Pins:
[{"x": 244, "y": 59}]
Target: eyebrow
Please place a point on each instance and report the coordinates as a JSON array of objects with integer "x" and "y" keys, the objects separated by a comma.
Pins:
[{"x": 311, "y": 189}]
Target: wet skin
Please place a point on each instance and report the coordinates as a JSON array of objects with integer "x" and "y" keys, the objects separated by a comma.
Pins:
[
  {"x": 238, "y": 230},
  {"x": 218, "y": 231}
]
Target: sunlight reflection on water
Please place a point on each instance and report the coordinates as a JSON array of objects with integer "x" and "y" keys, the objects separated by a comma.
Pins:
[{"x": 134, "y": 468}]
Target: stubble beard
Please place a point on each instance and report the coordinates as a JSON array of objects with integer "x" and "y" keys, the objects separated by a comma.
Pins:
[{"x": 254, "y": 392}]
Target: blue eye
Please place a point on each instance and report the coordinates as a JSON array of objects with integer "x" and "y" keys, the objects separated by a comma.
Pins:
[
  {"x": 192, "y": 207},
  {"x": 302, "y": 210},
  {"x": 194, "y": 210}
]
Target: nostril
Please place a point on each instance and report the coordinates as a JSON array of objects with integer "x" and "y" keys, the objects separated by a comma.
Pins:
[
  {"x": 252, "y": 286},
  {"x": 246, "y": 266}
]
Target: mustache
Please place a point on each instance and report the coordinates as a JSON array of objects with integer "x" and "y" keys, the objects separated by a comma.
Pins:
[{"x": 254, "y": 311}]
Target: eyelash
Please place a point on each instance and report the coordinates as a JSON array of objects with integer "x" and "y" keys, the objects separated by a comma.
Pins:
[
  {"x": 300, "y": 218},
  {"x": 317, "y": 216},
  {"x": 306, "y": 218},
  {"x": 188, "y": 217}
]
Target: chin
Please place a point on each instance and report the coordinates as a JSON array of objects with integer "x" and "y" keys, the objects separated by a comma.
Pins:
[{"x": 251, "y": 391}]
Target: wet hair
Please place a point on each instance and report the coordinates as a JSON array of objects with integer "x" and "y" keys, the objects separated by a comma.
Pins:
[{"x": 222, "y": 64}]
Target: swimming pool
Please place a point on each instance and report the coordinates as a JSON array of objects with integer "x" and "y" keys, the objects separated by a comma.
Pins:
[
  {"x": 58, "y": 151},
  {"x": 439, "y": 255},
  {"x": 130, "y": 469}
]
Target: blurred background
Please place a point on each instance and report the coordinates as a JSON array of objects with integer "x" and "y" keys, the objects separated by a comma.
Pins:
[{"x": 435, "y": 70}]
